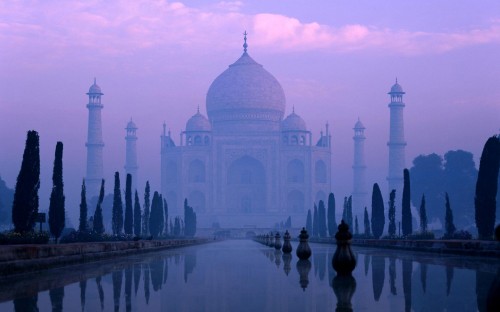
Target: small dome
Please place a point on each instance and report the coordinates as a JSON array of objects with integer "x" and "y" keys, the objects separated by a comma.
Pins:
[
  {"x": 131, "y": 125},
  {"x": 198, "y": 123},
  {"x": 396, "y": 88},
  {"x": 293, "y": 122},
  {"x": 95, "y": 89},
  {"x": 359, "y": 125}
]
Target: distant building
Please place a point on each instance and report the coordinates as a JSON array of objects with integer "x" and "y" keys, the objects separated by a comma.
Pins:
[
  {"x": 359, "y": 190},
  {"x": 245, "y": 165},
  {"x": 94, "y": 143},
  {"x": 397, "y": 141},
  {"x": 131, "y": 153}
]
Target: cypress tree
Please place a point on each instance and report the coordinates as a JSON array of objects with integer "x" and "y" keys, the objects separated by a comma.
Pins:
[
  {"x": 25, "y": 204},
  {"x": 147, "y": 203},
  {"x": 161, "y": 217},
  {"x": 486, "y": 188},
  {"x": 356, "y": 226},
  {"x": 154, "y": 218},
  {"x": 117, "y": 219},
  {"x": 309, "y": 225},
  {"x": 405, "y": 206},
  {"x": 82, "y": 227},
  {"x": 344, "y": 210},
  {"x": 98, "y": 221},
  {"x": 165, "y": 209},
  {"x": 129, "y": 215},
  {"x": 378, "y": 219},
  {"x": 321, "y": 219},
  {"x": 449, "y": 225},
  {"x": 137, "y": 215},
  {"x": 367, "y": 224},
  {"x": 332, "y": 224},
  {"x": 56, "y": 208},
  {"x": 189, "y": 219},
  {"x": 392, "y": 214},
  {"x": 423, "y": 215},
  {"x": 177, "y": 227},
  {"x": 315, "y": 228},
  {"x": 349, "y": 212}
]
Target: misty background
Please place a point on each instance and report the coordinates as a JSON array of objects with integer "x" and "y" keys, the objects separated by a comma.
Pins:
[{"x": 155, "y": 60}]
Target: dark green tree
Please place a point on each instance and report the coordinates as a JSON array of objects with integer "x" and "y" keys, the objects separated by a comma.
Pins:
[
  {"x": 57, "y": 214},
  {"x": 427, "y": 177},
  {"x": 367, "y": 224},
  {"x": 349, "y": 212},
  {"x": 154, "y": 218},
  {"x": 165, "y": 209},
  {"x": 25, "y": 204},
  {"x": 189, "y": 220},
  {"x": 392, "y": 214},
  {"x": 423, "y": 214},
  {"x": 161, "y": 217},
  {"x": 177, "y": 227},
  {"x": 137, "y": 215},
  {"x": 82, "y": 227},
  {"x": 321, "y": 219},
  {"x": 98, "y": 220},
  {"x": 378, "y": 219},
  {"x": 460, "y": 176},
  {"x": 486, "y": 188},
  {"x": 129, "y": 214},
  {"x": 449, "y": 225},
  {"x": 406, "y": 225},
  {"x": 309, "y": 225},
  {"x": 315, "y": 228},
  {"x": 117, "y": 207},
  {"x": 147, "y": 204},
  {"x": 344, "y": 210},
  {"x": 332, "y": 223},
  {"x": 356, "y": 226}
]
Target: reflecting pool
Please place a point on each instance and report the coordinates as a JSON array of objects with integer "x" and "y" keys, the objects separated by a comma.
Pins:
[{"x": 243, "y": 275}]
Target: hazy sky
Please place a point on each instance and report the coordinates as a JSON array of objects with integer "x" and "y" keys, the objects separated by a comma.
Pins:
[{"x": 155, "y": 60}]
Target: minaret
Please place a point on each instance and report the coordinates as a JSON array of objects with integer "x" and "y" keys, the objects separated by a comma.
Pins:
[
  {"x": 359, "y": 193},
  {"x": 397, "y": 141},
  {"x": 94, "y": 142},
  {"x": 131, "y": 153}
]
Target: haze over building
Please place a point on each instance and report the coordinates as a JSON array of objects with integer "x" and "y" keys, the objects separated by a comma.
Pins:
[
  {"x": 397, "y": 141},
  {"x": 94, "y": 143},
  {"x": 245, "y": 165}
]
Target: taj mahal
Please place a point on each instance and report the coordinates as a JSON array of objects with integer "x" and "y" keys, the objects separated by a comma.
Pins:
[{"x": 246, "y": 164}]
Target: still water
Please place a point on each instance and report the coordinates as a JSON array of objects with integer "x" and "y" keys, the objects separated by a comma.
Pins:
[{"x": 247, "y": 276}]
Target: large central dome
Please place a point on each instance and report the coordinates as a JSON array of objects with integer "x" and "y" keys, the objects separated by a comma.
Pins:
[{"x": 246, "y": 94}]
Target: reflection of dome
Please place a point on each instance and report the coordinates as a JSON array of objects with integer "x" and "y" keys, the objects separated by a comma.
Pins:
[
  {"x": 396, "y": 88},
  {"x": 359, "y": 125},
  {"x": 95, "y": 88},
  {"x": 245, "y": 91},
  {"x": 198, "y": 123},
  {"x": 293, "y": 123}
]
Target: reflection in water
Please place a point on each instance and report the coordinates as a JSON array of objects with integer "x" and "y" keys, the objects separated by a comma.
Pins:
[
  {"x": 29, "y": 304},
  {"x": 128, "y": 289},
  {"x": 137, "y": 276},
  {"x": 392, "y": 275},
  {"x": 449, "y": 279},
  {"x": 277, "y": 258},
  {"x": 344, "y": 287},
  {"x": 367, "y": 264},
  {"x": 287, "y": 259},
  {"x": 117, "y": 277},
  {"x": 83, "y": 289},
  {"x": 435, "y": 283},
  {"x": 189, "y": 265},
  {"x": 303, "y": 267},
  {"x": 423, "y": 275},
  {"x": 407, "y": 270},
  {"x": 100, "y": 291},
  {"x": 378, "y": 276},
  {"x": 56, "y": 299}
]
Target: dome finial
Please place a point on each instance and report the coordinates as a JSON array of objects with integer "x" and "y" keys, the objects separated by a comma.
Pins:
[
  {"x": 245, "y": 45},
  {"x": 293, "y": 109},
  {"x": 198, "y": 110},
  {"x": 396, "y": 79},
  {"x": 95, "y": 80}
]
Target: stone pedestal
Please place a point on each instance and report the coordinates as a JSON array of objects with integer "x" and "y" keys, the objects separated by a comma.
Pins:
[
  {"x": 343, "y": 260},
  {"x": 303, "y": 250},
  {"x": 277, "y": 241},
  {"x": 287, "y": 246}
]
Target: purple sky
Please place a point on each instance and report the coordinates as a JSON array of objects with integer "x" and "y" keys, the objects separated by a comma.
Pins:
[{"x": 155, "y": 60}]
